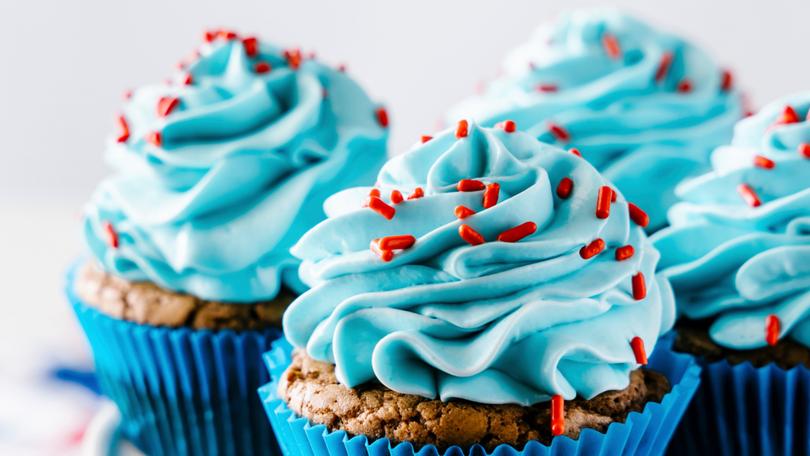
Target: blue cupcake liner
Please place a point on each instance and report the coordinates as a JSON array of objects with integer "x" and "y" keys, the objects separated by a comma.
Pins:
[
  {"x": 647, "y": 432},
  {"x": 180, "y": 390},
  {"x": 742, "y": 409}
]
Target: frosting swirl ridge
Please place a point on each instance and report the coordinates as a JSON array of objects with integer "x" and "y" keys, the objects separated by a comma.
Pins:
[
  {"x": 645, "y": 107},
  {"x": 221, "y": 169},
  {"x": 737, "y": 251},
  {"x": 513, "y": 316}
]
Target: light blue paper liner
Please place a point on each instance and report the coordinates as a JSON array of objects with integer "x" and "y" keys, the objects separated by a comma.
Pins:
[
  {"x": 741, "y": 409},
  {"x": 179, "y": 390},
  {"x": 642, "y": 433}
]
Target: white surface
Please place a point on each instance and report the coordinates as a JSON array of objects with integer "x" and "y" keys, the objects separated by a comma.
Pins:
[{"x": 101, "y": 438}]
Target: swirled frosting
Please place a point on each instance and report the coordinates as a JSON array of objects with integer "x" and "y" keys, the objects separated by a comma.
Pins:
[
  {"x": 645, "y": 107},
  {"x": 498, "y": 322},
  {"x": 220, "y": 170},
  {"x": 738, "y": 250}
]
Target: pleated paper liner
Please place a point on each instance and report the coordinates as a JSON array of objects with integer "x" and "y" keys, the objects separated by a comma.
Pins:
[
  {"x": 642, "y": 433},
  {"x": 741, "y": 409},
  {"x": 179, "y": 390}
]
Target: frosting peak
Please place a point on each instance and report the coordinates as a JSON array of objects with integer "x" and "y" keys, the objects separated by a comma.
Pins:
[
  {"x": 222, "y": 168},
  {"x": 644, "y": 107},
  {"x": 490, "y": 294},
  {"x": 737, "y": 251}
]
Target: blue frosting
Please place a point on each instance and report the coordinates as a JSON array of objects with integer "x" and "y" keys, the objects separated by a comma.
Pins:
[
  {"x": 499, "y": 322},
  {"x": 739, "y": 263},
  {"x": 640, "y": 131},
  {"x": 245, "y": 161}
]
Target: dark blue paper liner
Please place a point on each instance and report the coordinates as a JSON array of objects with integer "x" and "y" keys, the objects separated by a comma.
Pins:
[
  {"x": 642, "y": 433},
  {"x": 741, "y": 409},
  {"x": 179, "y": 390}
]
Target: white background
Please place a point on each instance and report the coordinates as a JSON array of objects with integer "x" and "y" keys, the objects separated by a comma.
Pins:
[{"x": 64, "y": 65}]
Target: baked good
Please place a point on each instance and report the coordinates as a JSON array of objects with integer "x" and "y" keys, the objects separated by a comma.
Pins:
[
  {"x": 217, "y": 172},
  {"x": 737, "y": 257},
  {"x": 485, "y": 273},
  {"x": 644, "y": 106}
]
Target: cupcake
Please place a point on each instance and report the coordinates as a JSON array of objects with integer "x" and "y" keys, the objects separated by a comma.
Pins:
[
  {"x": 218, "y": 171},
  {"x": 645, "y": 107},
  {"x": 738, "y": 257},
  {"x": 490, "y": 291}
]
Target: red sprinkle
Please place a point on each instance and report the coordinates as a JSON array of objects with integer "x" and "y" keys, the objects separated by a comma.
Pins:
[
  {"x": 166, "y": 105},
  {"x": 417, "y": 193},
  {"x": 727, "y": 80},
  {"x": 685, "y": 86},
  {"x": 462, "y": 129},
  {"x": 639, "y": 287},
  {"x": 772, "y": 329},
  {"x": 638, "y": 349},
  {"x": 565, "y": 187},
  {"x": 385, "y": 255},
  {"x": 155, "y": 138},
  {"x": 396, "y": 196},
  {"x": 379, "y": 206},
  {"x": 603, "y": 202},
  {"x": 425, "y": 138},
  {"x": 517, "y": 233},
  {"x": 749, "y": 195},
  {"x": 112, "y": 235},
  {"x": 804, "y": 150},
  {"x": 404, "y": 241},
  {"x": 382, "y": 117},
  {"x": 262, "y": 67},
  {"x": 638, "y": 216},
  {"x": 188, "y": 79},
  {"x": 251, "y": 45},
  {"x": 470, "y": 235},
  {"x": 491, "y": 195},
  {"x": 227, "y": 34},
  {"x": 613, "y": 196},
  {"x": 763, "y": 162},
  {"x": 210, "y": 35},
  {"x": 293, "y": 57},
  {"x": 789, "y": 116},
  {"x": 591, "y": 250},
  {"x": 463, "y": 212},
  {"x": 123, "y": 129},
  {"x": 611, "y": 45},
  {"x": 557, "y": 415},
  {"x": 663, "y": 67},
  {"x": 624, "y": 252},
  {"x": 374, "y": 192},
  {"x": 547, "y": 88},
  {"x": 576, "y": 152},
  {"x": 508, "y": 126},
  {"x": 470, "y": 185},
  {"x": 559, "y": 132}
]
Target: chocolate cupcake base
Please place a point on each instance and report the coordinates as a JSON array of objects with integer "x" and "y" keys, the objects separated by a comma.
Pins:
[
  {"x": 311, "y": 390},
  {"x": 693, "y": 337},
  {"x": 149, "y": 304}
]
